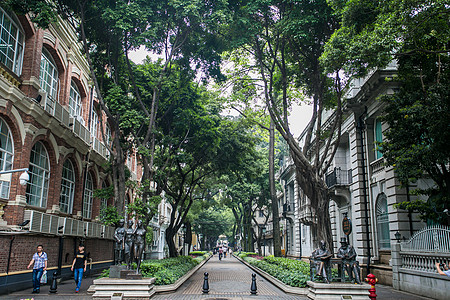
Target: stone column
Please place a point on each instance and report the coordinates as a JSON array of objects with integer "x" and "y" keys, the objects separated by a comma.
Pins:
[{"x": 396, "y": 262}]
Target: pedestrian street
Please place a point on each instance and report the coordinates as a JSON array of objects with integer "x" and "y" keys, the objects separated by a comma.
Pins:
[{"x": 228, "y": 279}]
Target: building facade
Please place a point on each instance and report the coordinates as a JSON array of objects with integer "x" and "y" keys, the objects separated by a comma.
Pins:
[
  {"x": 49, "y": 124},
  {"x": 361, "y": 187}
]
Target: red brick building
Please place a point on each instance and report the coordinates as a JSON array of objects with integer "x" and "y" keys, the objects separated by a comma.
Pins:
[{"x": 50, "y": 124}]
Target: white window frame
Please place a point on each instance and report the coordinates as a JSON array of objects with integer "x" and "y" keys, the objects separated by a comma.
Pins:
[
  {"x": 67, "y": 188},
  {"x": 37, "y": 187},
  {"x": 11, "y": 51},
  {"x": 6, "y": 157},
  {"x": 88, "y": 196},
  {"x": 94, "y": 123},
  {"x": 48, "y": 80},
  {"x": 108, "y": 135},
  {"x": 75, "y": 108}
]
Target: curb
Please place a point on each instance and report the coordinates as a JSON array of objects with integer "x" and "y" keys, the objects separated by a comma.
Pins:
[
  {"x": 169, "y": 287},
  {"x": 285, "y": 288},
  {"x": 173, "y": 287}
]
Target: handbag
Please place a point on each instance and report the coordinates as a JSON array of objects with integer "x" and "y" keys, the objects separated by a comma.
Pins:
[{"x": 44, "y": 277}]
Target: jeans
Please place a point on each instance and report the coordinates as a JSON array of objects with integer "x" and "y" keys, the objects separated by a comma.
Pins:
[
  {"x": 78, "y": 275},
  {"x": 37, "y": 274}
]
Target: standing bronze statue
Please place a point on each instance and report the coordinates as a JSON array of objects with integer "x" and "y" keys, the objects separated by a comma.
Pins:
[
  {"x": 129, "y": 243},
  {"x": 322, "y": 257},
  {"x": 119, "y": 243},
  {"x": 348, "y": 255},
  {"x": 139, "y": 243}
]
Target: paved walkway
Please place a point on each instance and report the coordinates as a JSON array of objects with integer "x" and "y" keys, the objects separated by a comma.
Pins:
[{"x": 228, "y": 279}]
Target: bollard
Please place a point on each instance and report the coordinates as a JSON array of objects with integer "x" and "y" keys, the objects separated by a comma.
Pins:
[
  {"x": 253, "y": 287},
  {"x": 372, "y": 280},
  {"x": 205, "y": 284},
  {"x": 54, "y": 285}
]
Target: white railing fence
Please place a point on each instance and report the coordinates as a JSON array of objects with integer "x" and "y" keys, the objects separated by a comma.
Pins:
[{"x": 434, "y": 238}]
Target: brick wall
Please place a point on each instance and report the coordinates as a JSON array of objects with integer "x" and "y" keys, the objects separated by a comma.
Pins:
[{"x": 24, "y": 246}]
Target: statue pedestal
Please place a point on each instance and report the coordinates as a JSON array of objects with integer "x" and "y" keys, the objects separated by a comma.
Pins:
[
  {"x": 129, "y": 274},
  {"x": 105, "y": 288},
  {"x": 337, "y": 291},
  {"x": 114, "y": 271}
]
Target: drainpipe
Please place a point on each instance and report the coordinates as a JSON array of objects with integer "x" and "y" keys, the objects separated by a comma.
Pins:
[
  {"x": 9, "y": 254},
  {"x": 60, "y": 254},
  {"x": 360, "y": 127},
  {"x": 300, "y": 238}
]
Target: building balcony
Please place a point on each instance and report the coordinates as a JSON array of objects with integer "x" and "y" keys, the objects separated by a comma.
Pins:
[
  {"x": 377, "y": 166},
  {"x": 338, "y": 177}
]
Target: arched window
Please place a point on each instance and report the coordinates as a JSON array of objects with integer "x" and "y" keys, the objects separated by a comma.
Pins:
[
  {"x": 6, "y": 157},
  {"x": 67, "y": 188},
  {"x": 384, "y": 241},
  {"x": 74, "y": 101},
  {"x": 378, "y": 139},
  {"x": 88, "y": 197},
  {"x": 48, "y": 80},
  {"x": 11, "y": 43},
  {"x": 39, "y": 170}
]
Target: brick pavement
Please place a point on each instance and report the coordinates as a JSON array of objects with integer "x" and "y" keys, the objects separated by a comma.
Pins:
[{"x": 228, "y": 279}]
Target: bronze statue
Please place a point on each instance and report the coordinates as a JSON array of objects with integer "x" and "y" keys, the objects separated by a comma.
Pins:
[
  {"x": 348, "y": 255},
  {"x": 119, "y": 244},
  {"x": 139, "y": 243},
  {"x": 322, "y": 258},
  {"x": 129, "y": 243}
]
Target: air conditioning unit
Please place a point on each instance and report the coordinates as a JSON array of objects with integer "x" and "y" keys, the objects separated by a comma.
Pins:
[
  {"x": 41, "y": 222},
  {"x": 94, "y": 230}
]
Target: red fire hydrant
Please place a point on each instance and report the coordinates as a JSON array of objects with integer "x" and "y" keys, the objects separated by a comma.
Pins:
[{"x": 372, "y": 280}]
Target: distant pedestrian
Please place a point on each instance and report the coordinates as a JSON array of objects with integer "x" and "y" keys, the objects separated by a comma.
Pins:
[
  {"x": 79, "y": 266},
  {"x": 40, "y": 265},
  {"x": 220, "y": 253}
]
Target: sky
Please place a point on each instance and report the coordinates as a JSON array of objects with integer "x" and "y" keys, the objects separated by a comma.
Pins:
[{"x": 300, "y": 114}]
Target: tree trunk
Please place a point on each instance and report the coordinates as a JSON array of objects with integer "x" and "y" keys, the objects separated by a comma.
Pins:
[
  {"x": 188, "y": 238},
  {"x": 273, "y": 193},
  {"x": 170, "y": 234}
]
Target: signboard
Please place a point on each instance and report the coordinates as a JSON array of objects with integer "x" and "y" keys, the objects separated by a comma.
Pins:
[{"x": 346, "y": 226}]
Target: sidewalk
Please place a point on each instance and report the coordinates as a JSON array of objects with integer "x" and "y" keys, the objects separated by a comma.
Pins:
[
  {"x": 66, "y": 290},
  {"x": 228, "y": 279}
]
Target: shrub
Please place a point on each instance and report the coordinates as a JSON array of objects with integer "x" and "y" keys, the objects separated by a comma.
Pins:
[
  {"x": 104, "y": 273},
  {"x": 198, "y": 253},
  {"x": 169, "y": 270},
  {"x": 291, "y": 272}
]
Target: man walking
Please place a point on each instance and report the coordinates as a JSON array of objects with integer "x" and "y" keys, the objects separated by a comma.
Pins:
[
  {"x": 40, "y": 265},
  {"x": 79, "y": 266}
]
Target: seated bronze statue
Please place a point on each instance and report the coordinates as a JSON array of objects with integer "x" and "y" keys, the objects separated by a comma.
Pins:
[
  {"x": 348, "y": 255},
  {"x": 322, "y": 258}
]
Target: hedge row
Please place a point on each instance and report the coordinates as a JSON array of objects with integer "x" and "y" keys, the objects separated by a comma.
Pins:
[
  {"x": 291, "y": 272},
  {"x": 166, "y": 271},
  {"x": 169, "y": 270}
]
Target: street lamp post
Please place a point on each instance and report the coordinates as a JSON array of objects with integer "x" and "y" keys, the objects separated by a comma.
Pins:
[{"x": 264, "y": 238}]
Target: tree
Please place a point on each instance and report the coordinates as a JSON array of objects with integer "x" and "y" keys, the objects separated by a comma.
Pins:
[
  {"x": 415, "y": 34},
  {"x": 285, "y": 40}
]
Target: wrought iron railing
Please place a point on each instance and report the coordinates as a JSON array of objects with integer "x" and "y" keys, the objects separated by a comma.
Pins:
[{"x": 338, "y": 177}]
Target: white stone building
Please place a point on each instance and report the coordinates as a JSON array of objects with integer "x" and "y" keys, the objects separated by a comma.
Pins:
[{"x": 361, "y": 186}]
